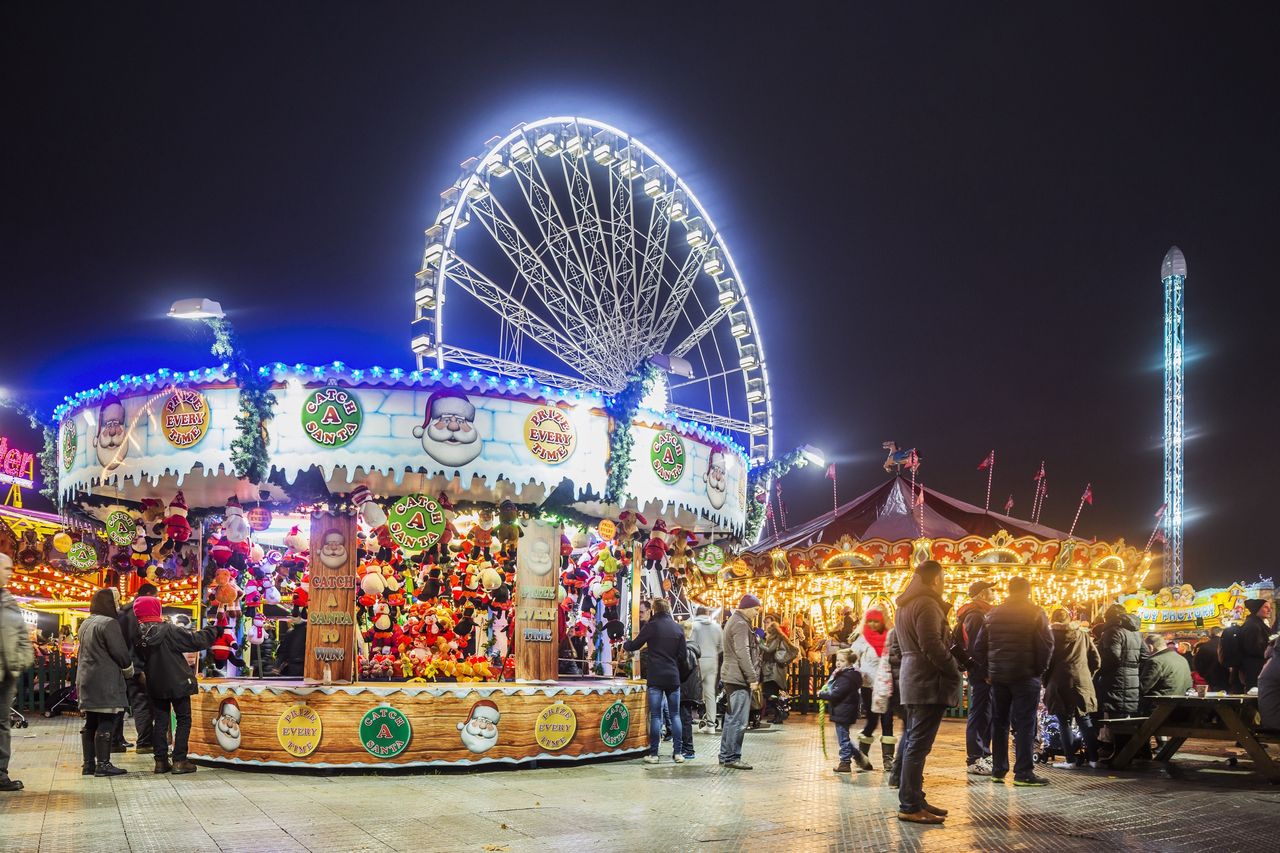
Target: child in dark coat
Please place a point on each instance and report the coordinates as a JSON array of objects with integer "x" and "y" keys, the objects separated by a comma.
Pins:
[
  {"x": 690, "y": 696},
  {"x": 841, "y": 693}
]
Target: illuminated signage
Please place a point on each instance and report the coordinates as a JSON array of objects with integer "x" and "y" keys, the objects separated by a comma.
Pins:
[{"x": 17, "y": 467}]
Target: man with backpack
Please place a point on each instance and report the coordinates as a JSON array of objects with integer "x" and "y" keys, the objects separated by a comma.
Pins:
[{"x": 977, "y": 729}]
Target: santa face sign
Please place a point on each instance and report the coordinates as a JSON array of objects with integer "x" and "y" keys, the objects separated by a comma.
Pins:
[
  {"x": 226, "y": 726},
  {"x": 111, "y": 440},
  {"x": 717, "y": 479},
  {"x": 480, "y": 732},
  {"x": 333, "y": 551},
  {"x": 540, "y": 557},
  {"x": 448, "y": 431}
]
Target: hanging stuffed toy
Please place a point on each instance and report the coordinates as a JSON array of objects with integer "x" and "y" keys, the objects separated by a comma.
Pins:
[
  {"x": 153, "y": 518},
  {"x": 139, "y": 552},
  {"x": 302, "y": 596},
  {"x": 257, "y": 631},
  {"x": 482, "y": 535},
  {"x": 236, "y": 527},
  {"x": 30, "y": 550},
  {"x": 655, "y": 550},
  {"x": 375, "y": 518},
  {"x": 509, "y": 529},
  {"x": 176, "y": 527},
  {"x": 629, "y": 528}
]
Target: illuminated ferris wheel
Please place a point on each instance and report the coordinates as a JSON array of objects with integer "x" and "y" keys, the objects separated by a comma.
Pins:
[{"x": 569, "y": 252}]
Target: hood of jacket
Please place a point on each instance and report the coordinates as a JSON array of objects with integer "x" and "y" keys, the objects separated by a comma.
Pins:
[
  {"x": 702, "y": 620},
  {"x": 1130, "y": 622},
  {"x": 917, "y": 589},
  {"x": 970, "y": 606}
]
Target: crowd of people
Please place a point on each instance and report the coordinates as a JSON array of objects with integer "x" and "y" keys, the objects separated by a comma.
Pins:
[{"x": 1020, "y": 662}]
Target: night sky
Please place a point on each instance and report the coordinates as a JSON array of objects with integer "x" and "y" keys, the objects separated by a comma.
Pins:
[{"x": 950, "y": 220}]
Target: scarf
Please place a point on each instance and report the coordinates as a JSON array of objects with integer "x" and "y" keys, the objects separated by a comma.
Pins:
[{"x": 875, "y": 639}]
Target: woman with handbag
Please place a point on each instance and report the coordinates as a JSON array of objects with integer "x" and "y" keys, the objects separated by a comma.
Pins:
[{"x": 777, "y": 651}]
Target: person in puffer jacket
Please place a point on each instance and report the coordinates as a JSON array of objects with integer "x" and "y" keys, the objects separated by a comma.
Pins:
[
  {"x": 1118, "y": 682},
  {"x": 842, "y": 693}
]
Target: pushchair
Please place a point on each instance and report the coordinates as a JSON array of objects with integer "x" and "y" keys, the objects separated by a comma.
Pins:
[
  {"x": 16, "y": 720},
  {"x": 1048, "y": 744},
  {"x": 68, "y": 700}
]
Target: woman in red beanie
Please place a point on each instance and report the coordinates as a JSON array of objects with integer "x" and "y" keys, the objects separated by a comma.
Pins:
[{"x": 170, "y": 680}]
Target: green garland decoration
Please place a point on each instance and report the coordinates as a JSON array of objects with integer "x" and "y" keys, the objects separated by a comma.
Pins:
[
  {"x": 758, "y": 479},
  {"x": 249, "y": 457},
  {"x": 622, "y": 408}
]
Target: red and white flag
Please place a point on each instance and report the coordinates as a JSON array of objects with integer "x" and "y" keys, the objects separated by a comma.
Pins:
[
  {"x": 919, "y": 498},
  {"x": 1087, "y": 497},
  {"x": 1160, "y": 511},
  {"x": 831, "y": 472},
  {"x": 988, "y": 461},
  {"x": 1008, "y": 505}
]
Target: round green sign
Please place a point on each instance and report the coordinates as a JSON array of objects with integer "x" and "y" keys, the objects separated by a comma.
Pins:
[
  {"x": 615, "y": 724},
  {"x": 83, "y": 556},
  {"x": 416, "y": 522},
  {"x": 666, "y": 456},
  {"x": 385, "y": 732},
  {"x": 710, "y": 559},
  {"x": 331, "y": 417},
  {"x": 121, "y": 528},
  {"x": 70, "y": 441}
]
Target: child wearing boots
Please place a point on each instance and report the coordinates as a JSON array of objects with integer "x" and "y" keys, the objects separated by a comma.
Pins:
[{"x": 842, "y": 693}]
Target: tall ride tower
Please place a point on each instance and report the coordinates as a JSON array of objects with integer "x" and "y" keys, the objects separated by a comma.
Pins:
[{"x": 1173, "y": 272}]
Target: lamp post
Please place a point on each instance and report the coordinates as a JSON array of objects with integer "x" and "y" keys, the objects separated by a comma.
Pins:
[{"x": 249, "y": 457}]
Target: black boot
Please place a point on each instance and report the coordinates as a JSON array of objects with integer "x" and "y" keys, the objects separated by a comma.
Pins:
[
  {"x": 887, "y": 746},
  {"x": 86, "y": 749},
  {"x": 102, "y": 749}
]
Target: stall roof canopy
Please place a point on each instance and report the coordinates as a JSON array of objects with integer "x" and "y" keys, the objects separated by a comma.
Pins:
[{"x": 886, "y": 512}]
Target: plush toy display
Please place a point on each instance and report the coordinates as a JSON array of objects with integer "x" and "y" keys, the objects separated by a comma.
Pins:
[
  {"x": 509, "y": 529},
  {"x": 176, "y": 527},
  {"x": 655, "y": 550}
]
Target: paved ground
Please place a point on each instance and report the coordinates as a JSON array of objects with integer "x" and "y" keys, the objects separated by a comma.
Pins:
[{"x": 790, "y": 802}]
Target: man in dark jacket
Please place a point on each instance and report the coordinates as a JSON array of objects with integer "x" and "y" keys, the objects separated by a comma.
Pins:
[
  {"x": 977, "y": 728},
  {"x": 1207, "y": 665},
  {"x": 664, "y": 661},
  {"x": 1255, "y": 636},
  {"x": 690, "y": 694},
  {"x": 1120, "y": 649},
  {"x": 139, "y": 702},
  {"x": 930, "y": 681},
  {"x": 1014, "y": 646},
  {"x": 171, "y": 682}
]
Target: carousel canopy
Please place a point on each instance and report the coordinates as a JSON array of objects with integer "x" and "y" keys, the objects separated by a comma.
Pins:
[{"x": 886, "y": 512}]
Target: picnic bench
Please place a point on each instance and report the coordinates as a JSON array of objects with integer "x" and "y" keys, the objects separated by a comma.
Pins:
[{"x": 1179, "y": 718}]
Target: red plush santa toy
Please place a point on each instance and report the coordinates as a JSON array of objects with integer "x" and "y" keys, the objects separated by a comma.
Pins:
[
  {"x": 176, "y": 527},
  {"x": 373, "y": 515},
  {"x": 236, "y": 527},
  {"x": 655, "y": 550}
]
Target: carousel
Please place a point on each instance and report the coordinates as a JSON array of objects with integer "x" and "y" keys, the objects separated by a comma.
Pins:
[
  {"x": 862, "y": 554},
  {"x": 465, "y": 543}
]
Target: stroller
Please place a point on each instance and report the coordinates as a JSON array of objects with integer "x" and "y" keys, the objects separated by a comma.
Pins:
[
  {"x": 1048, "y": 744},
  {"x": 16, "y": 720}
]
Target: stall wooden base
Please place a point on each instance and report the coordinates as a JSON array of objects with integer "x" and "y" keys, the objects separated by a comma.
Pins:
[{"x": 363, "y": 726}]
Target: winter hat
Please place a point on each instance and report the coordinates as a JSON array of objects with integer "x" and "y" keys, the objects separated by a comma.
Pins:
[
  {"x": 659, "y": 526},
  {"x": 748, "y": 601},
  {"x": 360, "y": 495},
  {"x": 874, "y": 613},
  {"x": 1253, "y": 605},
  {"x": 178, "y": 506},
  {"x": 445, "y": 402},
  {"x": 147, "y": 609}
]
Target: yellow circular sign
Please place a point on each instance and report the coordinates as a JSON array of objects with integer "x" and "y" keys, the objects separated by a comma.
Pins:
[
  {"x": 555, "y": 727},
  {"x": 299, "y": 730},
  {"x": 185, "y": 418},
  {"x": 549, "y": 435},
  {"x": 607, "y": 530}
]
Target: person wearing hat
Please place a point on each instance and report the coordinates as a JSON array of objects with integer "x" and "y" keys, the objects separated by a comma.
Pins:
[
  {"x": 1255, "y": 634},
  {"x": 740, "y": 674},
  {"x": 139, "y": 702},
  {"x": 16, "y": 655},
  {"x": 977, "y": 726},
  {"x": 171, "y": 682}
]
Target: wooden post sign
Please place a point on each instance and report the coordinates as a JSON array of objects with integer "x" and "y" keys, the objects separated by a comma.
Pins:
[
  {"x": 537, "y": 580},
  {"x": 331, "y": 624}
]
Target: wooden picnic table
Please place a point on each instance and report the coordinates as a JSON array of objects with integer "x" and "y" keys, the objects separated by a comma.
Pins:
[{"x": 1178, "y": 718}]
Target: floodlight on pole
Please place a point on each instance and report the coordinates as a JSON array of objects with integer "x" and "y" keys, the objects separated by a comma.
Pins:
[
  {"x": 197, "y": 308},
  {"x": 813, "y": 455}
]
